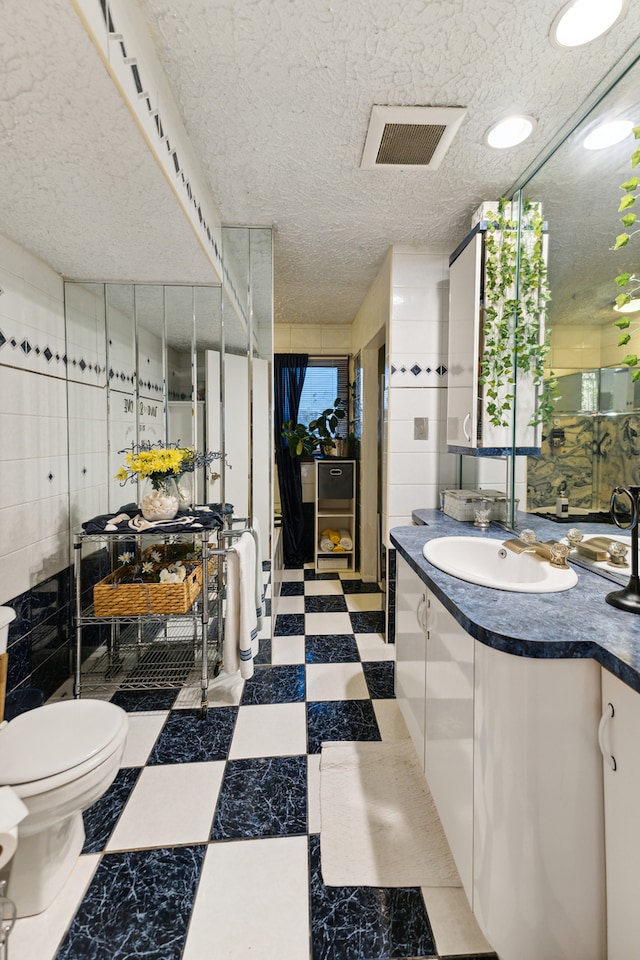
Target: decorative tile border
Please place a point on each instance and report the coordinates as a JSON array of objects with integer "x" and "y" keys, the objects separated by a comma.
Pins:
[{"x": 418, "y": 371}]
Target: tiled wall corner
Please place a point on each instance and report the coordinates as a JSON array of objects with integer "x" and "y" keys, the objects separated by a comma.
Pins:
[{"x": 34, "y": 467}]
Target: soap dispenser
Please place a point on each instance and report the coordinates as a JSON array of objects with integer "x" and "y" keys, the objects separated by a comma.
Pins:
[{"x": 562, "y": 502}]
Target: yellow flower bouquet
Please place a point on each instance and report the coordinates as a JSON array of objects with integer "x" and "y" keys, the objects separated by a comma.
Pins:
[{"x": 154, "y": 465}]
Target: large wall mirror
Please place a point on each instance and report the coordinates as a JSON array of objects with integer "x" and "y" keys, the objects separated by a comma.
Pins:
[
  {"x": 177, "y": 364},
  {"x": 592, "y": 443}
]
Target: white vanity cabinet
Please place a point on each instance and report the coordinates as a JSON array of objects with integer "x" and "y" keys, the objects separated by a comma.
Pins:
[
  {"x": 512, "y": 760},
  {"x": 449, "y": 732},
  {"x": 434, "y": 689},
  {"x": 411, "y": 652},
  {"x": 619, "y": 740},
  {"x": 538, "y": 860}
]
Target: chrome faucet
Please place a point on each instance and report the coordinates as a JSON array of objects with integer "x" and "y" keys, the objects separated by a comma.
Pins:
[{"x": 556, "y": 553}]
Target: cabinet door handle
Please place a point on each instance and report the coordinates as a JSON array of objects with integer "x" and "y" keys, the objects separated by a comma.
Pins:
[
  {"x": 603, "y": 728},
  {"x": 464, "y": 427}
]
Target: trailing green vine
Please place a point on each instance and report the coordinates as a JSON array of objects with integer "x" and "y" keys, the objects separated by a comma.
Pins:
[
  {"x": 513, "y": 325},
  {"x": 629, "y": 280}
]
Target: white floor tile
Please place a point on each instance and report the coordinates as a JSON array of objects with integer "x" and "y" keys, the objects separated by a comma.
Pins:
[
  {"x": 38, "y": 938},
  {"x": 225, "y": 690},
  {"x": 268, "y": 882},
  {"x": 390, "y": 721},
  {"x": 322, "y": 588},
  {"x": 362, "y": 602},
  {"x": 327, "y": 623},
  {"x": 290, "y": 605},
  {"x": 287, "y": 650},
  {"x": 270, "y": 730},
  {"x": 292, "y": 575},
  {"x": 336, "y": 681},
  {"x": 313, "y": 793},
  {"x": 170, "y": 805},
  {"x": 143, "y": 733},
  {"x": 372, "y": 647},
  {"x": 454, "y": 926}
]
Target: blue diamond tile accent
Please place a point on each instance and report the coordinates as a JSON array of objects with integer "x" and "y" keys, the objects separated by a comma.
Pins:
[
  {"x": 415, "y": 369},
  {"x": 403, "y": 369},
  {"x": 427, "y": 369},
  {"x": 13, "y": 342},
  {"x": 441, "y": 370},
  {"x": 393, "y": 369},
  {"x": 3, "y": 339},
  {"x": 82, "y": 365}
]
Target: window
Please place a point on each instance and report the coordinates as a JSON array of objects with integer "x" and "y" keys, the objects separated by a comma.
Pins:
[{"x": 326, "y": 378}]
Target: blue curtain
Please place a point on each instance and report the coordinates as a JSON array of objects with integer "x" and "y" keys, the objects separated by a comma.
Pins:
[{"x": 289, "y": 374}]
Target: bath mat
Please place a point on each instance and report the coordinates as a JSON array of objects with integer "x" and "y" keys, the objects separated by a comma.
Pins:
[{"x": 379, "y": 824}]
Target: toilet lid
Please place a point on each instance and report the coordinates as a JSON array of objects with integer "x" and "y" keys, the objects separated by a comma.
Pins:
[{"x": 56, "y": 737}]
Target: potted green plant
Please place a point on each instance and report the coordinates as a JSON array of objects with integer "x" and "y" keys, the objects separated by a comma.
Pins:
[
  {"x": 304, "y": 441},
  {"x": 326, "y": 424}
]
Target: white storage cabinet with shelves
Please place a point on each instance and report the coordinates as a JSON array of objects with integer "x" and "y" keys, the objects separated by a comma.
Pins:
[
  {"x": 335, "y": 510},
  {"x": 148, "y": 650}
]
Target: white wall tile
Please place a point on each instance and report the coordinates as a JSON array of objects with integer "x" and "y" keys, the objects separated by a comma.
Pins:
[
  {"x": 22, "y": 569},
  {"x": 410, "y": 339}
]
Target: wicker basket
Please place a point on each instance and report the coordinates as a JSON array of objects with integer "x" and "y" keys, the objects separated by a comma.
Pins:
[{"x": 114, "y": 599}]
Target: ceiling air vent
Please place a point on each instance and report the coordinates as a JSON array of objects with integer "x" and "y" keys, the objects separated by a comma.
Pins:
[{"x": 416, "y": 138}]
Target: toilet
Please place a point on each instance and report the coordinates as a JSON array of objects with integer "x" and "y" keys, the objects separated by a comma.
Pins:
[{"x": 59, "y": 759}]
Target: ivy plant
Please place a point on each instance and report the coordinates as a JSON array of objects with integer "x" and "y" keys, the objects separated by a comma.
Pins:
[
  {"x": 514, "y": 313},
  {"x": 630, "y": 281}
]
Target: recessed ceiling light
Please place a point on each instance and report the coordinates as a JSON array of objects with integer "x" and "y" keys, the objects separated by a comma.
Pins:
[
  {"x": 509, "y": 132},
  {"x": 581, "y": 21},
  {"x": 629, "y": 307},
  {"x": 608, "y": 134}
]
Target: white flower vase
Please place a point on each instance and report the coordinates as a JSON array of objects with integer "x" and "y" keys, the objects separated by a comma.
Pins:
[{"x": 160, "y": 500}]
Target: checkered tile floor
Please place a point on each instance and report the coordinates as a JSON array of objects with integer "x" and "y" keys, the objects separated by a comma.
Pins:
[{"x": 206, "y": 846}]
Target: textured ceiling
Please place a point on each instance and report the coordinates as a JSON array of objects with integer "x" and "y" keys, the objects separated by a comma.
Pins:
[{"x": 276, "y": 97}]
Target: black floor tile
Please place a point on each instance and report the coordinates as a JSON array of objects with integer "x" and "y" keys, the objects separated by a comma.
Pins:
[
  {"x": 289, "y": 625},
  {"x": 376, "y": 923},
  {"x": 340, "y": 720},
  {"x": 380, "y": 676},
  {"x": 337, "y": 648},
  {"x": 325, "y": 603},
  {"x": 292, "y": 588},
  {"x": 264, "y": 652},
  {"x": 102, "y": 816},
  {"x": 189, "y": 738},
  {"x": 263, "y": 797},
  {"x": 368, "y": 621},
  {"x": 137, "y": 905},
  {"x": 134, "y": 701},
  {"x": 279, "y": 684},
  {"x": 358, "y": 586}
]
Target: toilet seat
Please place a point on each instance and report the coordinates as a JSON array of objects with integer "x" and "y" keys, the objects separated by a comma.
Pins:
[{"x": 59, "y": 742}]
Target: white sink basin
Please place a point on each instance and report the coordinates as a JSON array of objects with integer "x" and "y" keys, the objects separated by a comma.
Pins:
[{"x": 487, "y": 563}]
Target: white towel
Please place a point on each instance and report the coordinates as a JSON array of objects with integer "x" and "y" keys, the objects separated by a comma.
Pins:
[
  {"x": 241, "y": 627},
  {"x": 345, "y": 540},
  {"x": 326, "y": 545},
  {"x": 255, "y": 530}
]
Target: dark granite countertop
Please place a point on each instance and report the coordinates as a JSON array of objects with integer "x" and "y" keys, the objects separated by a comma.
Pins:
[{"x": 573, "y": 623}]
